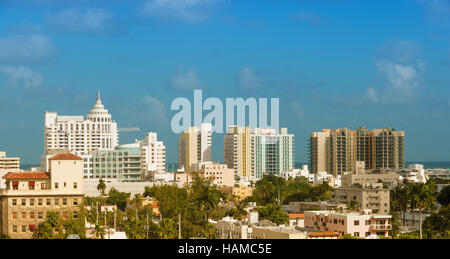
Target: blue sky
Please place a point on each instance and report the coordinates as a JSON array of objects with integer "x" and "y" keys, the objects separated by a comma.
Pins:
[{"x": 333, "y": 64}]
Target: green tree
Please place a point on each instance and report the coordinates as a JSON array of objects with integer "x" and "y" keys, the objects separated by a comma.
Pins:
[
  {"x": 437, "y": 225},
  {"x": 273, "y": 213},
  {"x": 118, "y": 198},
  {"x": 444, "y": 196},
  {"x": 400, "y": 200},
  {"x": 423, "y": 199},
  {"x": 168, "y": 229},
  {"x": 101, "y": 187}
]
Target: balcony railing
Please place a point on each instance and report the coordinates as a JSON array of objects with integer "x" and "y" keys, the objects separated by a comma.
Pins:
[{"x": 381, "y": 227}]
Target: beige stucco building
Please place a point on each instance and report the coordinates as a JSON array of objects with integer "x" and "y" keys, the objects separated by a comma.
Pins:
[
  {"x": 29, "y": 196},
  {"x": 375, "y": 197},
  {"x": 218, "y": 174},
  {"x": 8, "y": 164}
]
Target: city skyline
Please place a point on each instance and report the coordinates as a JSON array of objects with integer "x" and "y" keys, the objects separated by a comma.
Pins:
[{"x": 332, "y": 66}]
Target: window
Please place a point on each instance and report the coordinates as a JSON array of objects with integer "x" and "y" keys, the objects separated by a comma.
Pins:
[
  {"x": 43, "y": 186},
  {"x": 32, "y": 215},
  {"x": 15, "y": 229},
  {"x": 356, "y": 234},
  {"x": 14, "y": 202},
  {"x": 356, "y": 223},
  {"x": 75, "y": 215},
  {"x": 367, "y": 222},
  {"x": 56, "y": 185},
  {"x": 75, "y": 185},
  {"x": 64, "y": 201},
  {"x": 48, "y": 202},
  {"x": 24, "y": 215},
  {"x": 64, "y": 184},
  {"x": 31, "y": 202},
  {"x": 75, "y": 202},
  {"x": 14, "y": 215},
  {"x": 56, "y": 202},
  {"x": 24, "y": 202},
  {"x": 40, "y": 215},
  {"x": 64, "y": 215},
  {"x": 24, "y": 228},
  {"x": 40, "y": 202}
]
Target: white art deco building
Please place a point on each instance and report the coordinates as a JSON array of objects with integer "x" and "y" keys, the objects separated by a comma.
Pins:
[{"x": 78, "y": 135}]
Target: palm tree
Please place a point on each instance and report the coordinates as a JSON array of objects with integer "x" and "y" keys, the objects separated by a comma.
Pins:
[
  {"x": 401, "y": 200},
  {"x": 423, "y": 197},
  {"x": 101, "y": 187}
]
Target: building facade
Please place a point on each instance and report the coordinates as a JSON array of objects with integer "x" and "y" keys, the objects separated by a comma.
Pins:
[
  {"x": 194, "y": 146},
  {"x": 363, "y": 224},
  {"x": 336, "y": 151},
  {"x": 253, "y": 153},
  {"x": 153, "y": 153},
  {"x": 78, "y": 135},
  {"x": 7, "y": 164},
  {"x": 375, "y": 197},
  {"x": 29, "y": 196}
]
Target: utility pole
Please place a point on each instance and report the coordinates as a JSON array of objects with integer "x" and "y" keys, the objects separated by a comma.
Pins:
[
  {"x": 278, "y": 195},
  {"x": 147, "y": 227},
  {"x": 179, "y": 225},
  {"x": 96, "y": 207},
  {"x": 115, "y": 216}
]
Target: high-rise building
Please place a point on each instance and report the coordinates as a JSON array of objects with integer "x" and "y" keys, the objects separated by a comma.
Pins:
[
  {"x": 253, "y": 153},
  {"x": 78, "y": 135},
  {"x": 237, "y": 150},
  {"x": 272, "y": 153},
  {"x": 153, "y": 153},
  {"x": 8, "y": 164},
  {"x": 336, "y": 151},
  {"x": 194, "y": 146}
]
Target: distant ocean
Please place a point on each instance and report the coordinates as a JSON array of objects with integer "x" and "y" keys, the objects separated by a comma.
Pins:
[
  {"x": 426, "y": 164},
  {"x": 171, "y": 167}
]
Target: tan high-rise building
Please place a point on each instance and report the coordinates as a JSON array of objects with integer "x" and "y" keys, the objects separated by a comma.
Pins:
[
  {"x": 29, "y": 196},
  {"x": 194, "y": 146},
  {"x": 237, "y": 150},
  {"x": 336, "y": 151}
]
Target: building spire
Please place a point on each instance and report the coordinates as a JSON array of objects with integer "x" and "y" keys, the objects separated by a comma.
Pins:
[{"x": 98, "y": 95}]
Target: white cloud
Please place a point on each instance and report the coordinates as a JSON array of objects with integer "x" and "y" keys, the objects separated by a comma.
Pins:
[
  {"x": 402, "y": 82},
  {"x": 297, "y": 110},
  {"x": 187, "y": 11},
  {"x": 22, "y": 75},
  {"x": 309, "y": 17},
  {"x": 95, "y": 20},
  {"x": 22, "y": 49},
  {"x": 371, "y": 95},
  {"x": 249, "y": 79},
  {"x": 437, "y": 11},
  {"x": 185, "y": 80}
]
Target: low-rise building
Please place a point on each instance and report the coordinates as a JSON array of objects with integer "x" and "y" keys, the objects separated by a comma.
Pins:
[
  {"x": 278, "y": 232},
  {"x": 302, "y": 206},
  {"x": 296, "y": 220},
  {"x": 241, "y": 192},
  {"x": 219, "y": 174},
  {"x": 362, "y": 224},
  {"x": 373, "y": 197},
  {"x": 29, "y": 196}
]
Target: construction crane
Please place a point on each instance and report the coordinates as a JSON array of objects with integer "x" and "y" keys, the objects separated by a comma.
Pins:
[{"x": 128, "y": 129}]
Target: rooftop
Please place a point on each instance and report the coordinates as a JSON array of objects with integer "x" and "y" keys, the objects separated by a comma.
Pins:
[
  {"x": 66, "y": 156},
  {"x": 26, "y": 175}
]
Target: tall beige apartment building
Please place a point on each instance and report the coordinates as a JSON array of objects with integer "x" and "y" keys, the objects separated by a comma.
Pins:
[
  {"x": 337, "y": 150},
  {"x": 238, "y": 150},
  {"x": 29, "y": 196},
  {"x": 194, "y": 146}
]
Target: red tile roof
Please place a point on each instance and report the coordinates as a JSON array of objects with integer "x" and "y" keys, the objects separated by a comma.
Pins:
[
  {"x": 323, "y": 234},
  {"x": 67, "y": 156},
  {"x": 296, "y": 216},
  {"x": 26, "y": 175}
]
